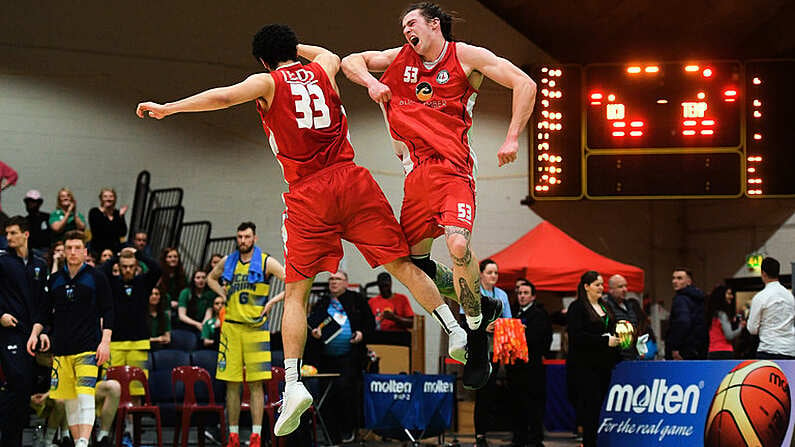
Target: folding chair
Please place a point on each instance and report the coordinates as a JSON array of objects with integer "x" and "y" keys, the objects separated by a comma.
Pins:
[{"x": 126, "y": 375}]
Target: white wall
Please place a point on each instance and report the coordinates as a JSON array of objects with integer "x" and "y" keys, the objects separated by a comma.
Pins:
[{"x": 70, "y": 77}]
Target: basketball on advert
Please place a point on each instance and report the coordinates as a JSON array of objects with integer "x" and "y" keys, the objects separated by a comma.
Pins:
[{"x": 751, "y": 407}]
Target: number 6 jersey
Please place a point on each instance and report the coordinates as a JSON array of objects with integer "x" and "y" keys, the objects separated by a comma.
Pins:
[{"x": 306, "y": 124}]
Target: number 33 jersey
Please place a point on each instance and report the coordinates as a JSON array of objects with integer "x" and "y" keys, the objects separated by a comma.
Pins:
[{"x": 306, "y": 124}]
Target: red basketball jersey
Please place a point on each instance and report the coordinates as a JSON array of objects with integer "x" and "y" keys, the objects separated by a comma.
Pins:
[
  {"x": 306, "y": 124},
  {"x": 430, "y": 113}
]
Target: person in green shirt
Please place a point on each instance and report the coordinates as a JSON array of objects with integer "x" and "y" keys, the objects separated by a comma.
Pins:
[
  {"x": 159, "y": 321},
  {"x": 65, "y": 216},
  {"x": 211, "y": 329},
  {"x": 195, "y": 302}
]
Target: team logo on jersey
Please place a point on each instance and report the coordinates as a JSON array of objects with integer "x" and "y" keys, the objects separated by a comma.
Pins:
[
  {"x": 70, "y": 293},
  {"x": 424, "y": 91},
  {"x": 128, "y": 291},
  {"x": 442, "y": 77},
  {"x": 300, "y": 76}
]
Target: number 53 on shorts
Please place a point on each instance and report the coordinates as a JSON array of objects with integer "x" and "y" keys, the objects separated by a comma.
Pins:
[{"x": 465, "y": 212}]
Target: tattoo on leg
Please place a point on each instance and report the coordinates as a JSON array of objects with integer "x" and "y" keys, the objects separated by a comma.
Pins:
[
  {"x": 463, "y": 262},
  {"x": 469, "y": 301},
  {"x": 457, "y": 230},
  {"x": 444, "y": 279},
  {"x": 467, "y": 258}
]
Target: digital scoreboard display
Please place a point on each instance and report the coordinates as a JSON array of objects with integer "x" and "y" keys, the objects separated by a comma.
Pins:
[
  {"x": 711, "y": 129},
  {"x": 671, "y": 105}
]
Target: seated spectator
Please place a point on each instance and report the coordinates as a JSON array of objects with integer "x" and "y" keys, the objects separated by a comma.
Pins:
[
  {"x": 65, "y": 217},
  {"x": 107, "y": 222},
  {"x": 173, "y": 280},
  {"x": 105, "y": 255},
  {"x": 91, "y": 259},
  {"x": 195, "y": 303},
  {"x": 211, "y": 328},
  {"x": 56, "y": 257},
  {"x": 159, "y": 321},
  {"x": 215, "y": 258},
  {"x": 140, "y": 241},
  {"x": 38, "y": 222},
  {"x": 392, "y": 311}
]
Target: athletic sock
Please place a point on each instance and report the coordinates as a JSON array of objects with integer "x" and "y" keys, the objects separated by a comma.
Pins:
[
  {"x": 82, "y": 442},
  {"x": 445, "y": 318},
  {"x": 234, "y": 429},
  {"x": 102, "y": 434},
  {"x": 256, "y": 429},
  {"x": 292, "y": 370}
]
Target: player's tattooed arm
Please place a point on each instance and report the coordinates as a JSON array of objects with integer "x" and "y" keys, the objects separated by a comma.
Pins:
[{"x": 469, "y": 301}]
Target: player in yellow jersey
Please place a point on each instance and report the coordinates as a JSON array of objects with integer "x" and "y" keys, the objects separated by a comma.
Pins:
[{"x": 242, "y": 279}]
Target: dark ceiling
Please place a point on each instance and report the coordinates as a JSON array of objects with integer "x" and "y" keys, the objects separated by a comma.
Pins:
[{"x": 587, "y": 31}]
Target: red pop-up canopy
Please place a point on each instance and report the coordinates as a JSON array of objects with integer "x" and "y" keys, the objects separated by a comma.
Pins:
[{"x": 554, "y": 261}]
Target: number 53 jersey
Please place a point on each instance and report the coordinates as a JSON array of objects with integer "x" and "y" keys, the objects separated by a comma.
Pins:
[{"x": 306, "y": 124}]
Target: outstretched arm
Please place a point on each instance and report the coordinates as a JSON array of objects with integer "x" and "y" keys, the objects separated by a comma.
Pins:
[
  {"x": 357, "y": 68},
  {"x": 505, "y": 73},
  {"x": 255, "y": 86}
]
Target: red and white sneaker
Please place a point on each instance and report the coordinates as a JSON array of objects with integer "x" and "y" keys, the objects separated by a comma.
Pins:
[{"x": 234, "y": 440}]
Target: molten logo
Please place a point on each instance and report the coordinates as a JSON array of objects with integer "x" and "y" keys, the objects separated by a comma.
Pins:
[
  {"x": 439, "y": 386},
  {"x": 390, "y": 386},
  {"x": 659, "y": 398},
  {"x": 424, "y": 91}
]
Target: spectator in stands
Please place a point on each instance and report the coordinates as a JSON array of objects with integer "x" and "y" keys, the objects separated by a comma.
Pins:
[
  {"x": 486, "y": 397},
  {"x": 392, "y": 310},
  {"x": 720, "y": 313},
  {"x": 8, "y": 178},
  {"x": 159, "y": 321},
  {"x": 345, "y": 354},
  {"x": 627, "y": 309},
  {"x": 195, "y": 303},
  {"x": 141, "y": 243},
  {"x": 38, "y": 223},
  {"x": 56, "y": 257},
  {"x": 211, "y": 328},
  {"x": 593, "y": 352},
  {"x": 173, "y": 280},
  {"x": 687, "y": 337},
  {"x": 105, "y": 255},
  {"x": 215, "y": 258},
  {"x": 528, "y": 379},
  {"x": 773, "y": 316},
  {"x": 65, "y": 217},
  {"x": 107, "y": 222},
  {"x": 91, "y": 259}
]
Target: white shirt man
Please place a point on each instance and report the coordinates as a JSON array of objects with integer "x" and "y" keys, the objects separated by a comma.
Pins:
[{"x": 773, "y": 316}]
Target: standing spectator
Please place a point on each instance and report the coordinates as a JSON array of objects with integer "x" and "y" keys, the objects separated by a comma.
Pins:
[
  {"x": 65, "y": 217},
  {"x": 719, "y": 311},
  {"x": 8, "y": 178},
  {"x": 772, "y": 316},
  {"x": 38, "y": 223},
  {"x": 195, "y": 303},
  {"x": 528, "y": 379},
  {"x": 625, "y": 309},
  {"x": 129, "y": 345},
  {"x": 392, "y": 311},
  {"x": 486, "y": 397},
  {"x": 159, "y": 321},
  {"x": 345, "y": 354},
  {"x": 687, "y": 332},
  {"x": 23, "y": 279},
  {"x": 211, "y": 328},
  {"x": 593, "y": 352},
  {"x": 107, "y": 222},
  {"x": 173, "y": 279}
]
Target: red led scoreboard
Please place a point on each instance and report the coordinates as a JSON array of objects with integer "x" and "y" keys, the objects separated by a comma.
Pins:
[{"x": 664, "y": 130}]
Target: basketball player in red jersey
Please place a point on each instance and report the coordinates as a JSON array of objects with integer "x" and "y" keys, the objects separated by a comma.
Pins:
[
  {"x": 329, "y": 198},
  {"x": 427, "y": 92}
]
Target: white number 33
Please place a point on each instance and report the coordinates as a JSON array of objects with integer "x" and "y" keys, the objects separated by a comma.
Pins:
[{"x": 310, "y": 100}]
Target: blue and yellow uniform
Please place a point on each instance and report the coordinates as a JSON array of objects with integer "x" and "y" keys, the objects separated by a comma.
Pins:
[
  {"x": 245, "y": 339},
  {"x": 75, "y": 307}
]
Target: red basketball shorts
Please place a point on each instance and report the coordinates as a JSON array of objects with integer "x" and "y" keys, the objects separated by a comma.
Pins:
[
  {"x": 436, "y": 195},
  {"x": 342, "y": 201}
]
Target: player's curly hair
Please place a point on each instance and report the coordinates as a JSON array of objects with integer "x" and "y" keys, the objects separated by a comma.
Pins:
[
  {"x": 275, "y": 43},
  {"x": 433, "y": 11}
]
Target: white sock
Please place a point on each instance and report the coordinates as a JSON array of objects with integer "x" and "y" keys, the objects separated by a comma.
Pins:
[
  {"x": 445, "y": 318},
  {"x": 256, "y": 429},
  {"x": 82, "y": 442},
  {"x": 234, "y": 429},
  {"x": 292, "y": 370},
  {"x": 474, "y": 322},
  {"x": 102, "y": 435}
]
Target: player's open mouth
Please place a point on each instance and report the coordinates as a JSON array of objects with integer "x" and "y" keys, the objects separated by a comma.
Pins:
[{"x": 414, "y": 40}]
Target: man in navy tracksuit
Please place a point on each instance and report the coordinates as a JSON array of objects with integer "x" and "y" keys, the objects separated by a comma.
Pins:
[{"x": 23, "y": 278}]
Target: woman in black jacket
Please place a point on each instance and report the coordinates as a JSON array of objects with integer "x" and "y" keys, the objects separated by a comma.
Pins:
[{"x": 593, "y": 351}]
